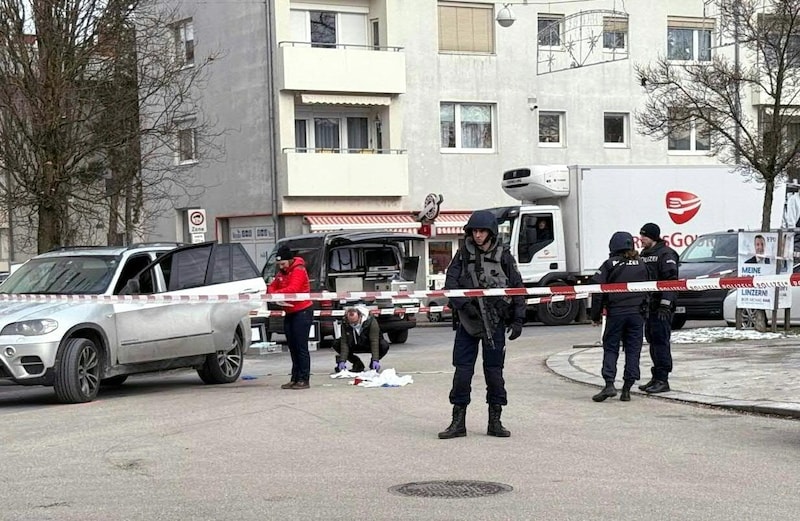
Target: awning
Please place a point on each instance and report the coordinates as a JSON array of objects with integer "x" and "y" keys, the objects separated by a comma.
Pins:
[
  {"x": 451, "y": 223},
  {"x": 343, "y": 99},
  {"x": 389, "y": 222}
]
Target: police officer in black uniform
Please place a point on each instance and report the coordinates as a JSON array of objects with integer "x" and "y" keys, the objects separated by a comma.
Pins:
[
  {"x": 624, "y": 315},
  {"x": 662, "y": 264},
  {"x": 483, "y": 262}
]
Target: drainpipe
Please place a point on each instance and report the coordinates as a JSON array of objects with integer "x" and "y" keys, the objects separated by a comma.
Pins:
[{"x": 272, "y": 125}]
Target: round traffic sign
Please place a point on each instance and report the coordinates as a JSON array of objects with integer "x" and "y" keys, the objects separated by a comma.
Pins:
[{"x": 197, "y": 218}]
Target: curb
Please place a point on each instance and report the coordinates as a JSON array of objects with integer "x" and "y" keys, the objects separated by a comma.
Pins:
[{"x": 561, "y": 364}]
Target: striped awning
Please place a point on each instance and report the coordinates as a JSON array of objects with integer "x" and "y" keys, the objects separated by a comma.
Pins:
[
  {"x": 451, "y": 223},
  {"x": 389, "y": 222},
  {"x": 344, "y": 99}
]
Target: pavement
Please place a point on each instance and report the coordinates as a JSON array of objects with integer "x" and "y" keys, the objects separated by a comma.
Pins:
[{"x": 756, "y": 376}]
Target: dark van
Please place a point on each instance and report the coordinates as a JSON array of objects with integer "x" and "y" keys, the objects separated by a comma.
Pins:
[{"x": 353, "y": 261}]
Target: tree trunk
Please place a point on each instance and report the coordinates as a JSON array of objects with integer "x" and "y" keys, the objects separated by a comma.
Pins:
[
  {"x": 766, "y": 209},
  {"x": 50, "y": 228}
]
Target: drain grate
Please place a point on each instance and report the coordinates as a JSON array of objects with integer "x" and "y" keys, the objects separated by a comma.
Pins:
[{"x": 450, "y": 489}]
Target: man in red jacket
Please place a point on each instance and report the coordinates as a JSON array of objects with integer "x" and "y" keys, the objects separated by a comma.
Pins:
[{"x": 293, "y": 278}]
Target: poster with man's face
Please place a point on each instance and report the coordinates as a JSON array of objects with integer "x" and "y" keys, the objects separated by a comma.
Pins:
[{"x": 757, "y": 256}]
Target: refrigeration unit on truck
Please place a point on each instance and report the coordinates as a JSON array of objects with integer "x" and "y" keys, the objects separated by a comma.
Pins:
[{"x": 559, "y": 234}]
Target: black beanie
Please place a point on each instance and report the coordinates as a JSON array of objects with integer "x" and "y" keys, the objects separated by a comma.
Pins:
[
  {"x": 284, "y": 253},
  {"x": 651, "y": 231}
]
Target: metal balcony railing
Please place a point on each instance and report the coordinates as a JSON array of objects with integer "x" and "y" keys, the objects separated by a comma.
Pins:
[
  {"x": 316, "y": 45},
  {"x": 345, "y": 150}
]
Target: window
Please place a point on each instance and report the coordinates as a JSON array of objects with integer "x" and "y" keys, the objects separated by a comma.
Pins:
[
  {"x": 357, "y": 133},
  {"x": 689, "y": 39},
  {"x": 440, "y": 253},
  {"x": 376, "y": 35},
  {"x": 686, "y": 133},
  {"x": 549, "y": 27},
  {"x": 183, "y": 33},
  {"x": 466, "y": 126},
  {"x": 615, "y": 32},
  {"x": 300, "y": 135},
  {"x": 329, "y": 29},
  {"x": 551, "y": 128},
  {"x": 326, "y": 133},
  {"x": 615, "y": 129},
  {"x": 466, "y": 27},
  {"x": 334, "y": 131},
  {"x": 323, "y": 28},
  {"x": 187, "y": 143}
]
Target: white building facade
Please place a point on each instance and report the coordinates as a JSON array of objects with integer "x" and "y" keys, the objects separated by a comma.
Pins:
[{"x": 377, "y": 103}]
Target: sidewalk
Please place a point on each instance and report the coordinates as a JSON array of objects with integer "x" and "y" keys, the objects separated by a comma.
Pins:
[{"x": 761, "y": 376}]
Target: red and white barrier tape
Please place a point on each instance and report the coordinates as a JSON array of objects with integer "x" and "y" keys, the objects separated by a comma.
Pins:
[{"x": 554, "y": 292}]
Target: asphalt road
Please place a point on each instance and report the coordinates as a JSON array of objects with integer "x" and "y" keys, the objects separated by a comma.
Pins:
[{"x": 169, "y": 448}]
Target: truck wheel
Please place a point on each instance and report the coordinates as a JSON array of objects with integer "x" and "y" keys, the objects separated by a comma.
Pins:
[
  {"x": 224, "y": 366},
  {"x": 398, "y": 337},
  {"x": 558, "y": 313},
  {"x": 77, "y": 377},
  {"x": 678, "y": 321}
]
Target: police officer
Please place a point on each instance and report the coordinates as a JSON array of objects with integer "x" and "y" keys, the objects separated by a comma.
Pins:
[
  {"x": 483, "y": 262},
  {"x": 624, "y": 315},
  {"x": 662, "y": 264}
]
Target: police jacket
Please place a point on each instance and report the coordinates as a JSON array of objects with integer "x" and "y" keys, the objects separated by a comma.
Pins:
[
  {"x": 662, "y": 264},
  {"x": 293, "y": 280},
  {"x": 496, "y": 268},
  {"x": 368, "y": 340},
  {"x": 619, "y": 269}
]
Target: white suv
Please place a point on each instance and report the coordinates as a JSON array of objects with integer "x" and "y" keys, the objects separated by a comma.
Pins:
[{"x": 77, "y": 346}]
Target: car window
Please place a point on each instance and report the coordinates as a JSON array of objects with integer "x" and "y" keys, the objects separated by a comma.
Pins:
[
  {"x": 78, "y": 275},
  {"x": 712, "y": 248},
  {"x": 134, "y": 265},
  {"x": 187, "y": 268},
  {"x": 230, "y": 262}
]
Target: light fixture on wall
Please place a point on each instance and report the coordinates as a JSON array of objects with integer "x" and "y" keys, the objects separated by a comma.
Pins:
[
  {"x": 505, "y": 16},
  {"x": 532, "y": 103}
]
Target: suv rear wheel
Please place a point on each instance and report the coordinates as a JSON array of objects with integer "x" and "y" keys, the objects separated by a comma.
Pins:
[
  {"x": 77, "y": 376},
  {"x": 224, "y": 366}
]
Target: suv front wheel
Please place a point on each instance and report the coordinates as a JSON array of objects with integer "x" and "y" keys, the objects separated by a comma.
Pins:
[{"x": 77, "y": 377}]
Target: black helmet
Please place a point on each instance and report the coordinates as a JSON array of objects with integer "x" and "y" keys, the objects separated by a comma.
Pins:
[
  {"x": 482, "y": 219},
  {"x": 620, "y": 241}
]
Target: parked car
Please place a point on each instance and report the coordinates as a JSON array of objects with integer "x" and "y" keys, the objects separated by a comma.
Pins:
[
  {"x": 710, "y": 255},
  {"x": 77, "y": 346},
  {"x": 759, "y": 318},
  {"x": 353, "y": 261}
]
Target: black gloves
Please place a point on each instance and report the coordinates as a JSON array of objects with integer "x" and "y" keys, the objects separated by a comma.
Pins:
[
  {"x": 664, "y": 313},
  {"x": 515, "y": 329}
]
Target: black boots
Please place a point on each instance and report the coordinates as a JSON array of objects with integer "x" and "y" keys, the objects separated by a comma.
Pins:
[
  {"x": 659, "y": 386},
  {"x": 625, "y": 396},
  {"x": 644, "y": 387},
  {"x": 495, "y": 427},
  {"x": 609, "y": 391},
  {"x": 458, "y": 427}
]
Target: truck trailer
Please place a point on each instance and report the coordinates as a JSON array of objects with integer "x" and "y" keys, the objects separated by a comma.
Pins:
[{"x": 559, "y": 233}]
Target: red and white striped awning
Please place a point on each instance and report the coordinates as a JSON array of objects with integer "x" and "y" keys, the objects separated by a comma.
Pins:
[
  {"x": 389, "y": 222},
  {"x": 451, "y": 223}
]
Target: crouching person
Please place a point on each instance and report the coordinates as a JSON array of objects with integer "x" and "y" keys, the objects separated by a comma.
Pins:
[{"x": 361, "y": 333}]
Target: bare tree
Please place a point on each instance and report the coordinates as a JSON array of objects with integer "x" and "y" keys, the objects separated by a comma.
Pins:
[
  {"x": 93, "y": 96},
  {"x": 706, "y": 96}
]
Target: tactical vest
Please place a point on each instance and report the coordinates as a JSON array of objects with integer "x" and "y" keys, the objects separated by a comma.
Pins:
[{"x": 489, "y": 274}]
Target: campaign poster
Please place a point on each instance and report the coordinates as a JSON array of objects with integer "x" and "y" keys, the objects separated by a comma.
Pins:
[{"x": 757, "y": 256}]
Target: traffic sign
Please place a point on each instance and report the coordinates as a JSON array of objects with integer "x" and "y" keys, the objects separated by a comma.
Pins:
[{"x": 197, "y": 221}]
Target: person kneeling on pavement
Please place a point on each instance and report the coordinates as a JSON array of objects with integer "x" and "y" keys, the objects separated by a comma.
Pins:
[
  {"x": 361, "y": 333},
  {"x": 624, "y": 315}
]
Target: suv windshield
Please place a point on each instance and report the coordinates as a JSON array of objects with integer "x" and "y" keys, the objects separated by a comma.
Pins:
[
  {"x": 722, "y": 247},
  {"x": 63, "y": 276}
]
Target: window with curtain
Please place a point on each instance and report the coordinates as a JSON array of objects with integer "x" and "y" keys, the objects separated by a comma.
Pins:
[
  {"x": 326, "y": 134},
  {"x": 357, "y": 133},
  {"x": 615, "y": 32},
  {"x": 183, "y": 33},
  {"x": 466, "y": 126},
  {"x": 466, "y": 27},
  {"x": 687, "y": 133},
  {"x": 689, "y": 39}
]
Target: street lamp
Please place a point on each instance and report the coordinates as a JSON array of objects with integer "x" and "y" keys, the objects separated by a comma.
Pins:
[{"x": 505, "y": 16}]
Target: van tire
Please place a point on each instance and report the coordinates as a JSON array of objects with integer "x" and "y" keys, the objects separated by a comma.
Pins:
[{"x": 398, "y": 337}]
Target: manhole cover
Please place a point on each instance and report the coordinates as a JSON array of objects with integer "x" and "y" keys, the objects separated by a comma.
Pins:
[{"x": 450, "y": 489}]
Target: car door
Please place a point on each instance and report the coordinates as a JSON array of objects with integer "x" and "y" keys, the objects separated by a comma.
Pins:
[{"x": 164, "y": 329}]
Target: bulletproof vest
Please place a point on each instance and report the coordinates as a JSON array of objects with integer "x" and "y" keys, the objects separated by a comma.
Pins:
[{"x": 491, "y": 274}]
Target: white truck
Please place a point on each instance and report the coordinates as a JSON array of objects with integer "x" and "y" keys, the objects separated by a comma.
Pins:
[{"x": 559, "y": 234}]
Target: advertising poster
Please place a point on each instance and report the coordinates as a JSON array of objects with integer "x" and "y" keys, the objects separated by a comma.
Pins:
[{"x": 757, "y": 256}]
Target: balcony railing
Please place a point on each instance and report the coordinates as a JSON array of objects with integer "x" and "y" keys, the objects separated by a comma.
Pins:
[
  {"x": 301, "y": 150},
  {"x": 317, "y": 45}
]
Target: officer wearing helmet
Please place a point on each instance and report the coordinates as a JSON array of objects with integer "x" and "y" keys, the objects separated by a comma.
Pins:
[
  {"x": 624, "y": 315},
  {"x": 483, "y": 262}
]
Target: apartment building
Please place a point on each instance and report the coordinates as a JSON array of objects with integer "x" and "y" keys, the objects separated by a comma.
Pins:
[{"x": 345, "y": 114}]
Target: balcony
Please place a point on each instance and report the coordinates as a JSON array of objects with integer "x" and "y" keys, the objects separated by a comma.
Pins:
[
  {"x": 342, "y": 172},
  {"x": 341, "y": 68}
]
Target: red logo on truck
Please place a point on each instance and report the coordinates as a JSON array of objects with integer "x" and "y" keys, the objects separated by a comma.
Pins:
[{"x": 682, "y": 206}]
